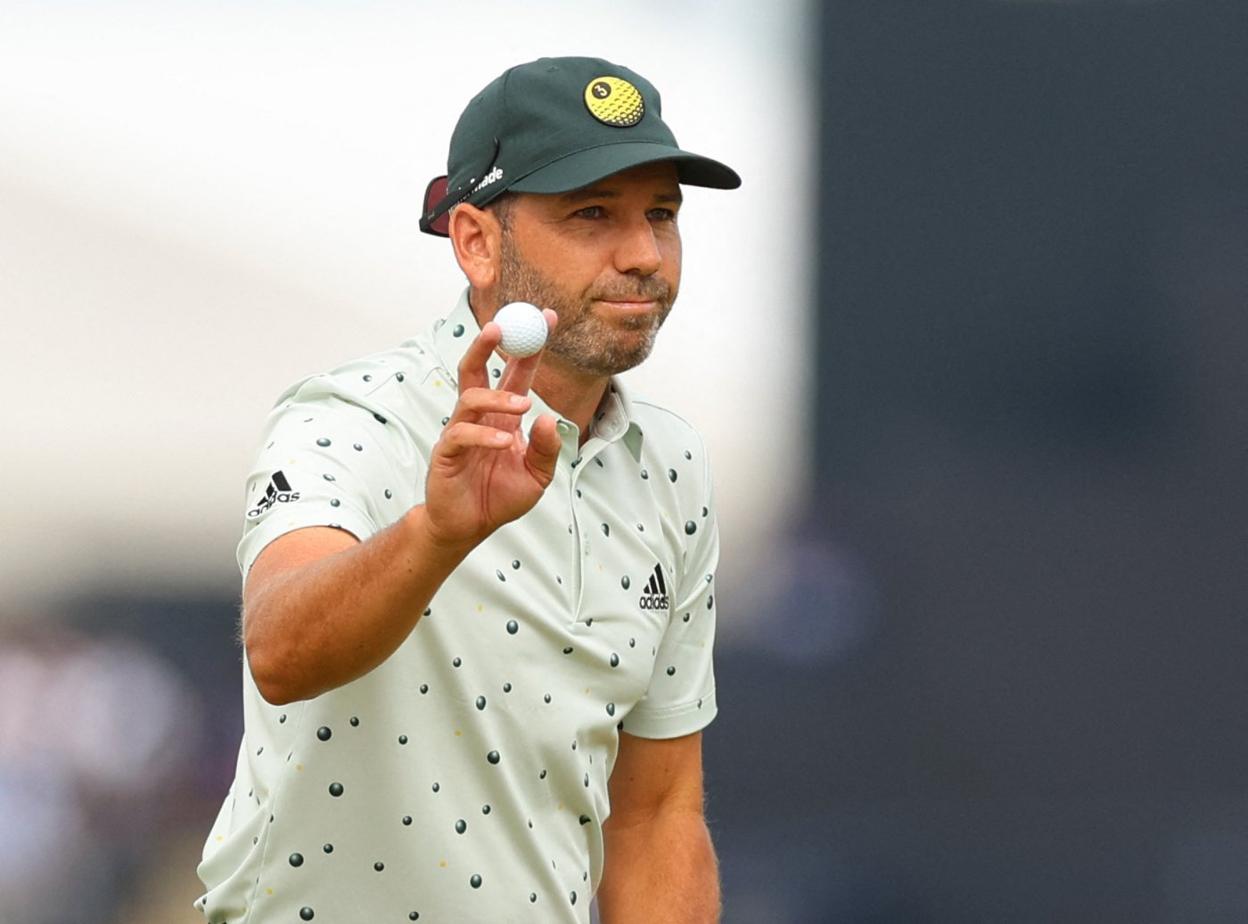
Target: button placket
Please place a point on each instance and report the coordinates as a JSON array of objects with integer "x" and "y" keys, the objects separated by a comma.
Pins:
[{"x": 569, "y": 434}]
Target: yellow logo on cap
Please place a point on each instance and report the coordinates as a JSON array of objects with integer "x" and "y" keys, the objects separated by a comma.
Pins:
[{"x": 614, "y": 101}]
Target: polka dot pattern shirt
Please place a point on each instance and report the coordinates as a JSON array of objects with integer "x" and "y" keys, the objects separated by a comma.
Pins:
[{"x": 465, "y": 778}]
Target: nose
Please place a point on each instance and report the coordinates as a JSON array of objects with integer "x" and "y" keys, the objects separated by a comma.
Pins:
[{"x": 638, "y": 249}]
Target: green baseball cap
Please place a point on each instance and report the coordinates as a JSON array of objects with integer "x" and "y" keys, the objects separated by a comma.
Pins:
[{"x": 554, "y": 125}]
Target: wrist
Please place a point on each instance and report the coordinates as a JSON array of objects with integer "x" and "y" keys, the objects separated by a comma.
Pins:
[{"x": 431, "y": 545}]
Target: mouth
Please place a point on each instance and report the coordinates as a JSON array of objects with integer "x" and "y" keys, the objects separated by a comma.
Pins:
[{"x": 628, "y": 306}]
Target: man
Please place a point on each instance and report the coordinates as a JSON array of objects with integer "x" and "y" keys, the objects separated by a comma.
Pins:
[{"x": 478, "y": 599}]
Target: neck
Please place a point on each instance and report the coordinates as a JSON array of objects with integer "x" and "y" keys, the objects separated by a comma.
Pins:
[{"x": 572, "y": 394}]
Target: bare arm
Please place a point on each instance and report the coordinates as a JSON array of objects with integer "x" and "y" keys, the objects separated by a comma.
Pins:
[
  {"x": 660, "y": 864},
  {"x": 321, "y": 608}
]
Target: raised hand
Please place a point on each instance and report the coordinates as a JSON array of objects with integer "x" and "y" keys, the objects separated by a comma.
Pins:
[{"x": 482, "y": 471}]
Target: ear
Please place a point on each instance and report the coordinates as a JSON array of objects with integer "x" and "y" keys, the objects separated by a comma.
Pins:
[{"x": 477, "y": 238}]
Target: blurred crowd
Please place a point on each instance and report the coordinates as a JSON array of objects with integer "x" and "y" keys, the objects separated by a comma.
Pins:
[{"x": 98, "y": 736}]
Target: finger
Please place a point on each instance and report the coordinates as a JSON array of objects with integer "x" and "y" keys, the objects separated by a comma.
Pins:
[
  {"x": 464, "y": 436},
  {"x": 542, "y": 453},
  {"x": 472, "y": 372},
  {"x": 475, "y": 403},
  {"x": 518, "y": 376}
]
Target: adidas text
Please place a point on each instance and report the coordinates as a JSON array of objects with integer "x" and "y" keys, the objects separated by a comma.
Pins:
[
  {"x": 278, "y": 492},
  {"x": 492, "y": 177},
  {"x": 655, "y": 597}
]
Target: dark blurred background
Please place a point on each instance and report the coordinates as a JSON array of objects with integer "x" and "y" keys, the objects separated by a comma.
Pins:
[
  {"x": 998, "y": 674},
  {"x": 1031, "y": 363}
]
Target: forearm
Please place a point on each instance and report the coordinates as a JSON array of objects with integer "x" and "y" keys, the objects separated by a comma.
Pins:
[
  {"x": 660, "y": 870},
  {"x": 332, "y": 620}
]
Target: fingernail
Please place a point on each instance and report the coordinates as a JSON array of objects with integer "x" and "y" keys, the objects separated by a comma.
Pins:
[{"x": 516, "y": 400}]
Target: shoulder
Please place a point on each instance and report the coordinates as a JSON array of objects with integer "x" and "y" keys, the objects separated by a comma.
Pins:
[
  {"x": 674, "y": 451},
  {"x": 385, "y": 394},
  {"x": 666, "y": 433},
  {"x": 366, "y": 379}
]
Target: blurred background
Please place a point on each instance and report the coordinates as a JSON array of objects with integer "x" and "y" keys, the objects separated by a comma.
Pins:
[{"x": 969, "y": 349}]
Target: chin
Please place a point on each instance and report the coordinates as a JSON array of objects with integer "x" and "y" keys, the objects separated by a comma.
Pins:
[{"x": 605, "y": 363}]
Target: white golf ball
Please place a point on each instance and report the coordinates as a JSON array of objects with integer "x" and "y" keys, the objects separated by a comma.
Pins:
[{"x": 524, "y": 328}]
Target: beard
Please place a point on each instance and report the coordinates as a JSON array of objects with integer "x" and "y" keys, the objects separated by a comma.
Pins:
[{"x": 584, "y": 340}]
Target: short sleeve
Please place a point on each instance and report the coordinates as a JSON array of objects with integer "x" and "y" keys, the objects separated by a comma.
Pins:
[
  {"x": 680, "y": 699},
  {"x": 326, "y": 461}
]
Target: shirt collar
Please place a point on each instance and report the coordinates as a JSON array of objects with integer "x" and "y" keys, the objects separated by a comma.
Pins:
[{"x": 614, "y": 419}]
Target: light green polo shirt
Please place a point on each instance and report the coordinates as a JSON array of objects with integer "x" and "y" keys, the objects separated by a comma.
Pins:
[{"x": 465, "y": 778}]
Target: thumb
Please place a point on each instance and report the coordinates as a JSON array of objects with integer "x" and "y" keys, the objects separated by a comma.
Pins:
[{"x": 543, "y": 450}]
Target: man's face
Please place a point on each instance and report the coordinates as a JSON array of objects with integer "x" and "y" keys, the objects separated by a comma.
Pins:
[{"x": 606, "y": 258}]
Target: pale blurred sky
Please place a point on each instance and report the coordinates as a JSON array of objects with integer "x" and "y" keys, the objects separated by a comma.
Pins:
[{"x": 202, "y": 202}]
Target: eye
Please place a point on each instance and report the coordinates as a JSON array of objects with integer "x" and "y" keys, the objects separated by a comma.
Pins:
[
  {"x": 590, "y": 211},
  {"x": 661, "y": 214}
]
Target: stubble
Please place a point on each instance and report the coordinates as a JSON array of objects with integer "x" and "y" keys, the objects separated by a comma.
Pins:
[{"x": 584, "y": 339}]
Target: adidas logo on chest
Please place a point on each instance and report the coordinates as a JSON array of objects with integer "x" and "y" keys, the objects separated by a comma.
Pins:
[{"x": 655, "y": 595}]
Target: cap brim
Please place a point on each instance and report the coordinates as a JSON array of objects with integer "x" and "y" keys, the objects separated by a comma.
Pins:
[{"x": 582, "y": 168}]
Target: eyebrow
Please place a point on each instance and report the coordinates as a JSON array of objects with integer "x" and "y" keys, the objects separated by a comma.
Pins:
[{"x": 578, "y": 195}]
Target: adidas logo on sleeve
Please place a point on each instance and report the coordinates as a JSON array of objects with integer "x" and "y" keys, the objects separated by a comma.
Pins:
[
  {"x": 278, "y": 492},
  {"x": 655, "y": 597}
]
